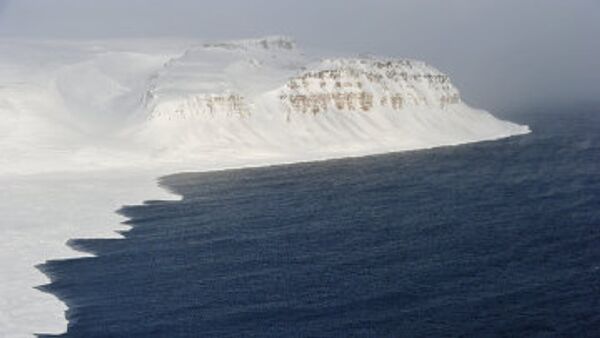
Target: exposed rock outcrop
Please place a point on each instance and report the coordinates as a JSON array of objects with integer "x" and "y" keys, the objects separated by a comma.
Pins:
[
  {"x": 202, "y": 105},
  {"x": 367, "y": 84}
]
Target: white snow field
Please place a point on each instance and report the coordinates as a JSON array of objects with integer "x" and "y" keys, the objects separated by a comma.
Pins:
[{"x": 88, "y": 126}]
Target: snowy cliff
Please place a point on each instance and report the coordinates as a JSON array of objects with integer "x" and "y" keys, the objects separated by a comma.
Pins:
[
  {"x": 266, "y": 94},
  {"x": 230, "y": 78}
]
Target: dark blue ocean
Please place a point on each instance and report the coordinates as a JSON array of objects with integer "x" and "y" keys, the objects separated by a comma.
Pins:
[{"x": 494, "y": 239}]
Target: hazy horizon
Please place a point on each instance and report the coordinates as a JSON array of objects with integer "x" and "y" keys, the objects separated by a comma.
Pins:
[{"x": 500, "y": 55}]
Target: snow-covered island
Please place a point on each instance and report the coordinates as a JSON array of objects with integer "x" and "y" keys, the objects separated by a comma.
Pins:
[{"x": 88, "y": 126}]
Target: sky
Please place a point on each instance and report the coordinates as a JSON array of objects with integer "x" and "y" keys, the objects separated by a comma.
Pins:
[{"x": 502, "y": 55}]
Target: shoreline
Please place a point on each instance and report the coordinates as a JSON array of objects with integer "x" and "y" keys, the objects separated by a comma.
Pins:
[{"x": 84, "y": 205}]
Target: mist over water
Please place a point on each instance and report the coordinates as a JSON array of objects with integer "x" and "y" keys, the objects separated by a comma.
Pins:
[{"x": 443, "y": 242}]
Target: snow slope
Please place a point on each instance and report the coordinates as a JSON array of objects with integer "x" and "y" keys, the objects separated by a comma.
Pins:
[{"x": 86, "y": 127}]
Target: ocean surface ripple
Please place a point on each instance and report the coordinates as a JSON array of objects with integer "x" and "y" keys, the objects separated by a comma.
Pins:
[{"x": 491, "y": 239}]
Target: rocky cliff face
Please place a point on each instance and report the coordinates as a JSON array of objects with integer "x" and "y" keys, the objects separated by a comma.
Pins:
[
  {"x": 367, "y": 84},
  {"x": 202, "y": 105},
  {"x": 231, "y": 78}
]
